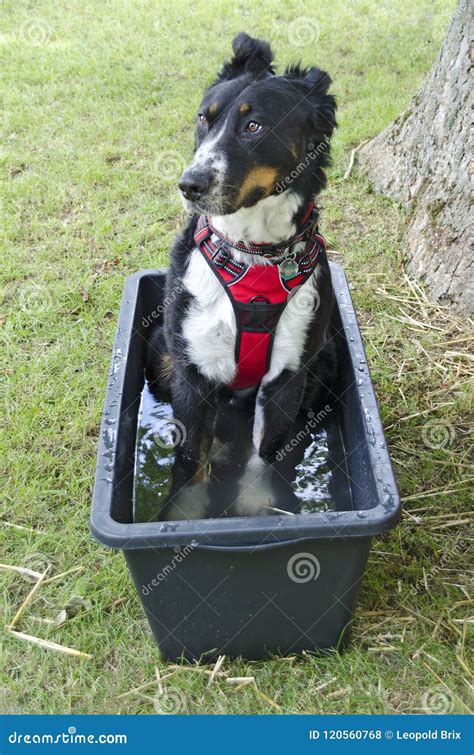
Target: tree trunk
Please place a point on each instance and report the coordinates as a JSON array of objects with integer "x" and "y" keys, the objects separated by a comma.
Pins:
[{"x": 422, "y": 160}]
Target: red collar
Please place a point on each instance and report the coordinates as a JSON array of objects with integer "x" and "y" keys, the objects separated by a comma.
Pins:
[
  {"x": 289, "y": 264},
  {"x": 268, "y": 250}
]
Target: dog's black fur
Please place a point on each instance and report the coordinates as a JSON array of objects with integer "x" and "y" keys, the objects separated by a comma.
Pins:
[{"x": 296, "y": 116}]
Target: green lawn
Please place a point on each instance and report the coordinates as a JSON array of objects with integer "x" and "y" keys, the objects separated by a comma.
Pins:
[{"x": 98, "y": 104}]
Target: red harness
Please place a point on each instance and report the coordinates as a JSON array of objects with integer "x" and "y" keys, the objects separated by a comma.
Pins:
[{"x": 259, "y": 293}]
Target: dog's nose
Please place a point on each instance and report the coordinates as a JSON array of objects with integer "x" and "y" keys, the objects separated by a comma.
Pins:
[{"x": 192, "y": 186}]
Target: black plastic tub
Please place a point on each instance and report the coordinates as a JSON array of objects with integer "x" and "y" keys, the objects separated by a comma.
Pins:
[{"x": 250, "y": 586}]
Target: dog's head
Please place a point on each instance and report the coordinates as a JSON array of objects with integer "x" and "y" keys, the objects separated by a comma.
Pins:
[{"x": 259, "y": 133}]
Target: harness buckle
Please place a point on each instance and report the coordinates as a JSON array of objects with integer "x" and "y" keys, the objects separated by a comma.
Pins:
[{"x": 222, "y": 253}]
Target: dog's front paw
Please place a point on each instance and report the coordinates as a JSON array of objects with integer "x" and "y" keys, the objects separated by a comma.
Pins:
[
  {"x": 190, "y": 502},
  {"x": 256, "y": 495}
]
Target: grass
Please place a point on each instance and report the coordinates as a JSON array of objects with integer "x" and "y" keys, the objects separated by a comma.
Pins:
[{"x": 98, "y": 102}]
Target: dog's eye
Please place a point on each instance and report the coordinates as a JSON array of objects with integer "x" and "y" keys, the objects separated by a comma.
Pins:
[
  {"x": 253, "y": 127},
  {"x": 202, "y": 119}
]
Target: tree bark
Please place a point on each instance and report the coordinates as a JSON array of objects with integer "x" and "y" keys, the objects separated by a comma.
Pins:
[{"x": 422, "y": 160}]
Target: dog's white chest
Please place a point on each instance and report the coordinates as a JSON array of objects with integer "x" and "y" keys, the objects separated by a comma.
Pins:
[{"x": 210, "y": 328}]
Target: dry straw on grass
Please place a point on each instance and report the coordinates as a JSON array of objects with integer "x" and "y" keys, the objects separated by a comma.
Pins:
[{"x": 41, "y": 581}]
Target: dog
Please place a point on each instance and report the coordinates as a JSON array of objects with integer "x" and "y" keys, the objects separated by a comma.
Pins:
[{"x": 248, "y": 299}]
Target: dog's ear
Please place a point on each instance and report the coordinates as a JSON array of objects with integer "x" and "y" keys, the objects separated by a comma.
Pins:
[
  {"x": 313, "y": 83},
  {"x": 251, "y": 56}
]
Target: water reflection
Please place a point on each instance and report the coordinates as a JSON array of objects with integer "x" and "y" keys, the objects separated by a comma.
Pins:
[{"x": 309, "y": 475}]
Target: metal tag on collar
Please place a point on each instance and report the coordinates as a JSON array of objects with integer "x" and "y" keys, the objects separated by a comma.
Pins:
[{"x": 289, "y": 267}]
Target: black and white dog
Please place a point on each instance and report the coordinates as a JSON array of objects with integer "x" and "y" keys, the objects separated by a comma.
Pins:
[{"x": 249, "y": 296}]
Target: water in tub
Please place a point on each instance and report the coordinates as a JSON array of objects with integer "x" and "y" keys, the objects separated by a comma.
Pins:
[{"x": 309, "y": 475}]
